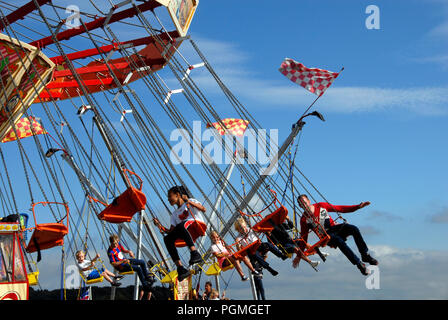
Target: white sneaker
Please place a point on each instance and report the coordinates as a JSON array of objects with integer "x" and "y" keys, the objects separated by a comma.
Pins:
[
  {"x": 314, "y": 264},
  {"x": 325, "y": 254}
]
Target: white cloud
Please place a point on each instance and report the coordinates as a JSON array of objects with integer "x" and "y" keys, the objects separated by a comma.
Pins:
[
  {"x": 441, "y": 60},
  {"x": 404, "y": 274},
  {"x": 285, "y": 94}
]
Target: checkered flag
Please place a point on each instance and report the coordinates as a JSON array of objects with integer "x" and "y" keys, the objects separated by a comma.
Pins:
[
  {"x": 25, "y": 127},
  {"x": 313, "y": 79},
  {"x": 232, "y": 126}
]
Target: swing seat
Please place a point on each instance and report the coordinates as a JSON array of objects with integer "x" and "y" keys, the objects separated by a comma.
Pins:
[
  {"x": 230, "y": 266},
  {"x": 47, "y": 235},
  {"x": 170, "y": 277},
  {"x": 324, "y": 238},
  {"x": 321, "y": 243},
  {"x": 123, "y": 208},
  {"x": 196, "y": 230},
  {"x": 33, "y": 278},
  {"x": 125, "y": 273},
  {"x": 277, "y": 217},
  {"x": 215, "y": 269},
  {"x": 95, "y": 280},
  {"x": 249, "y": 249}
]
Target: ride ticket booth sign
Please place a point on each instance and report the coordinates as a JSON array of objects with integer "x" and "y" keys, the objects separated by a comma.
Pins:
[{"x": 13, "y": 278}]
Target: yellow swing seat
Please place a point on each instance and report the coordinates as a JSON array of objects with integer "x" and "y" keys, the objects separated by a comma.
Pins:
[
  {"x": 125, "y": 273},
  {"x": 33, "y": 278},
  {"x": 215, "y": 269},
  {"x": 170, "y": 277},
  {"x": 95, "y": 280}
]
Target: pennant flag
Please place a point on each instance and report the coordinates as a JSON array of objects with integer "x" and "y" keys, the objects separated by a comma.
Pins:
[
  {"x": 233, "y": 126},
  {"x": 23, "y": 129},
  {"x": 312, "y": 79}
]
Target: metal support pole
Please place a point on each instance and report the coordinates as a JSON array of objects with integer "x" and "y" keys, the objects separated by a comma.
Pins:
[
  {"x": 252, "y": 286},
  {"x": 213, "y": 215},
  {"x": 113, "y": 289},
  {"x": 217, "y": 285},
  {"x": 138, "y": 256},
  {"x": 295, "y": 131}
]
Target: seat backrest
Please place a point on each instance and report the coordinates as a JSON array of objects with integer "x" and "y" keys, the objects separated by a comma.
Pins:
[
  {"x": 196, "y": 230},
  {"x": 275, "y": 218},
  {"x": 124, "y": 207}
]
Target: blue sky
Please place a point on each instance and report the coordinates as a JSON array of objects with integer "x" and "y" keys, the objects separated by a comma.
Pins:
[
  {"x": 385, "y": 133},
  {"x": 386, "y": 113}
]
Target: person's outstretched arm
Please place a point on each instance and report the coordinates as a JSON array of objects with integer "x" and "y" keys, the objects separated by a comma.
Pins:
[{"x": 343, "y": 209}]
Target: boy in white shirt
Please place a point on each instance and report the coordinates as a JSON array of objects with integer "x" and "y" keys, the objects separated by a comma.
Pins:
[{"x": 86, "y": 267}]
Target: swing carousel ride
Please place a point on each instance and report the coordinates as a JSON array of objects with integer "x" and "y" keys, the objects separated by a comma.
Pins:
[{"x": 86, "y": 120}]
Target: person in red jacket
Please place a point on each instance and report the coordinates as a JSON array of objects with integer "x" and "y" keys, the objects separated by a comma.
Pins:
[{"x": 338, "y": 232}]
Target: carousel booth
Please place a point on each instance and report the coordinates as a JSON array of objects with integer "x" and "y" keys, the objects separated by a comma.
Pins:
[{"x": 13, "y": 276}]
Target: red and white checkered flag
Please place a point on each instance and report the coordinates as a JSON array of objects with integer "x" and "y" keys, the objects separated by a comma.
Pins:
[
  {"x": 232, "y": 126},
  {"x": 25, "y": 127},
  {"x": 313, "y": 79}
]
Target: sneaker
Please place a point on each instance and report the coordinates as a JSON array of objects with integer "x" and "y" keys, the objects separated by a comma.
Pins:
[
  {"x": 195, "y": 257},
  {"x": 324, "y": 254},
  {"x": 370, "y": 260},
  {"x": 255, "y": 273},
  {"x": 182, "y": 273},
  {"x": 272, "y": 271},
  {"x": 116, "y": 284},
  {"x": 314, "y": 264},
  {"x": 244, "y": 278},
  {"x": 118, "y": 278},
  {"x": 362, "y": 267}
]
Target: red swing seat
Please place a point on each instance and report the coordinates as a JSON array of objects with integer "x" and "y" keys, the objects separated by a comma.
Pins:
[
  {"x": 251, "y": 248},
  {"x": 123, "y": 207},
  {"x": 317, "y": 228},
  {"x": 48, "y": 235},
  {"x": 277, "y": 217},
  {"x": 321, "y": 243},
  {"x": 196, "y": 230}
]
